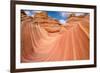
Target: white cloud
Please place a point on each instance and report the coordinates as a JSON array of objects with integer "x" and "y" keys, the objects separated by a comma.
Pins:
[
  {"x": 38, "y": 11},
  {"x": 78, "y": 14},
  {"x": 62, "y": 21},
  {"x": 65, "y": 14},
  {"x": 28, "y": 12},
  {"x": 31, "y": 13}
]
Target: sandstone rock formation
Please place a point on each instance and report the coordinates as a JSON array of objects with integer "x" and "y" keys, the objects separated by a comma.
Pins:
[
  {"x": 43, "y": 38},
  {"x": 50, "y": 24}
]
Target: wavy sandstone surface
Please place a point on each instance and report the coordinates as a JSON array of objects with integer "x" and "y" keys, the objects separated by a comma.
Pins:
[{"x": 45, "y": 39}]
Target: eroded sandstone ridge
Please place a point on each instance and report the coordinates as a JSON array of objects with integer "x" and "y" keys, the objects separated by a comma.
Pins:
[{"x": 44, "y": 38}]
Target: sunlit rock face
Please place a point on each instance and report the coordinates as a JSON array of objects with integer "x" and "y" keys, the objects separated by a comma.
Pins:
[
  {"x": 48, "y": 23},
  {"x": 83, "y": 21},
  {"x": 43, "y": 38}
]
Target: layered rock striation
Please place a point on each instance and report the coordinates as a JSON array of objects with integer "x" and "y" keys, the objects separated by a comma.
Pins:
[{"x": 43, "y": 38}]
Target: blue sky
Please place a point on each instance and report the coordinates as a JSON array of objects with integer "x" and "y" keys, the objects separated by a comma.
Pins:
[
  {"x": 57, "y": 15},
  {"x": 61, "y": 16}
]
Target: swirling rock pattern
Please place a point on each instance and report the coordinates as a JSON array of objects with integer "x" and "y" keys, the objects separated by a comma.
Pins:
[{"x": 45, "y": 39}]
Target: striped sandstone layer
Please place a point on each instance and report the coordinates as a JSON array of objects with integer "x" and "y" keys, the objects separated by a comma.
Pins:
[{"x": 44, "y": 39}]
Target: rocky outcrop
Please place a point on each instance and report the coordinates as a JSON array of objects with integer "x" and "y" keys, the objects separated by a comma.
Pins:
[
  {"x": 50, "y": 24},
  {"x": 82, "y": 20},
  {"x": 24, "y": 17}
]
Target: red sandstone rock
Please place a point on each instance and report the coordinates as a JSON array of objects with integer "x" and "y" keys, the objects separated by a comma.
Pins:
[{"x": 69, "y": 42}]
